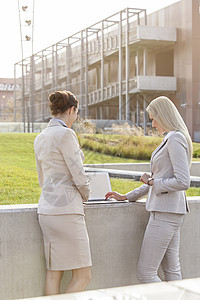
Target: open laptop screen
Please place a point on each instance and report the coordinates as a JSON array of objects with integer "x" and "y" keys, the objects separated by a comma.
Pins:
[{"x": 99, "y": 184}]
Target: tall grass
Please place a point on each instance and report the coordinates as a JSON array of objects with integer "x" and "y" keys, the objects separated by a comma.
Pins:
[
  {"x": 125, "y": 146},
  {"x": 134, "y": 147},
  {"x": 196, "y": 150}
]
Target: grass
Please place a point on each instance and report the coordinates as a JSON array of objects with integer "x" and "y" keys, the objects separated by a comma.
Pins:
[
  {"x": 18, "y": 180},
  {"x": 125, "y": 185}
]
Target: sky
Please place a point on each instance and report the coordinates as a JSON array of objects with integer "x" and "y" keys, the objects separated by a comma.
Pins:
[{"x": 55, "y": 20}]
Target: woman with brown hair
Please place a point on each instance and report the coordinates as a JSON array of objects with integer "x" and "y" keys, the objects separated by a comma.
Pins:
[{"x": 64, "y": 186}]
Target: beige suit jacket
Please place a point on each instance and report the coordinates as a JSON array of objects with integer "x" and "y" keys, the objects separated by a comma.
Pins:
[
  {"x": 170, "y": 170},
  {"x": 60, "y": 169}
]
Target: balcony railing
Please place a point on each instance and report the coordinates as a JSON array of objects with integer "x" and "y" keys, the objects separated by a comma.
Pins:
[{"x": 138, "y": 83}]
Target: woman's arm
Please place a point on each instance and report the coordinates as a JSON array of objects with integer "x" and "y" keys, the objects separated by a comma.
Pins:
[
  {"x": 138, "y": 193},
  {"x": 177, "y": 149},
  {"x": 131, "y": 196},
  {"x": 72, "y": 156},
  {"x": 39, "y": 171}
]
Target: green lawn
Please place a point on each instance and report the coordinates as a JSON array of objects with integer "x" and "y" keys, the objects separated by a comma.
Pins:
[
  {"x": 18, "y": 179},
  {"x": 125, "y": 185}
]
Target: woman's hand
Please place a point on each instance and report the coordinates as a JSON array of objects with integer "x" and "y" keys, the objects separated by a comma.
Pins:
[
  {"x": 144, "y": 178},
  {"x": 115, "y": 195}
]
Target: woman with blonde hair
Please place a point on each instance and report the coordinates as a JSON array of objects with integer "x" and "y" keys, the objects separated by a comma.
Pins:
[
  {"x": 64, "y": 188},
  {"x": 166, "y": 200}
]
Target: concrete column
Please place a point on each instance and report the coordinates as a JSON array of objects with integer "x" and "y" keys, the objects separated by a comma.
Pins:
[
  {"x": 56, "y": 66},
  {"x": 86, "y": 73},
  {"x": 102, "y": 59},
  {"x": 82, "y": 74},
  {"x": 67, "y": 65},
  {"x": 23, "y": 97},
  {"x": 98, "y": 76},
  {"x": 32, "y": 98},
  {"x": 15, "y": 95},
  {"x": 45, "y": 69},
  {"x": 138, "y": 19},
  {"x": 107, "y": 112},
  {"x": 144, "y": 116},
  {"x": 101, "y": 112},
  {"x": 120, "y": 68},
  {"x": 127, "y": 67},
  {"x": 137, "y": 111},
  {"x": 145, "y": 17},
  {"x": 137, "y": 63},
  {"x": 43, "y": 89},
  {"x": 144, "y": 61},
  {"x": 52, "y": 70}
]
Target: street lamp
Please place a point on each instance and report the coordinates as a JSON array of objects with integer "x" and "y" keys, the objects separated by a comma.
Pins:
[{"x": 25, "y": 23}]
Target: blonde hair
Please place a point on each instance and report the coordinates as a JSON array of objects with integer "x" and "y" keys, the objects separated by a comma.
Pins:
[{"x": 163, "y": 110}]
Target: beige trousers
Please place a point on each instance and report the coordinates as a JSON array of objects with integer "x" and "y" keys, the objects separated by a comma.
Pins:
[{"x": 160, "y": 246}]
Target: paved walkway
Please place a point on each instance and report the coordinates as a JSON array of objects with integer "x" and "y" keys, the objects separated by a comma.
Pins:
[{"x": 174, "y": 290}]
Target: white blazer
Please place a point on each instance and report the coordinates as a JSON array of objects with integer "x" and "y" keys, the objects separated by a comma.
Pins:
[
  {"x": 60, "y": 169},
  {"x": 170, "y": 170}
]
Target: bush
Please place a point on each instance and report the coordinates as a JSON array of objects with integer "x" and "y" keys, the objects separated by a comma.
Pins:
[
  {"x": 125, "y": 146},
  {"x": 196, "y": 153}
]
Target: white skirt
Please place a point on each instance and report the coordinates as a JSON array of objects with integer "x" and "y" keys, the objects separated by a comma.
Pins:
[{"x": 66, "y": 242}]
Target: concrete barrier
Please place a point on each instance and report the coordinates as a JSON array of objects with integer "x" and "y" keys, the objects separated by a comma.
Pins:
[
  {"x": 115, "y": 231},
  {"x": 116, "y": 173},
  {"x": 19, "y": 127},
  {"x": 139, "y": 167}
]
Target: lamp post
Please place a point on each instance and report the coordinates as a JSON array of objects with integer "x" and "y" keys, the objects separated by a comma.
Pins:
[{"x": 26, "y": 21}]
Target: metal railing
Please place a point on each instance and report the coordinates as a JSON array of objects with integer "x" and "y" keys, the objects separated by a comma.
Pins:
[{"x": 110, "y": 91}]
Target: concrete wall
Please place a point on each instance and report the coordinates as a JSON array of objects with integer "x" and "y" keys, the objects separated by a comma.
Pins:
[
  {"x": 115, "y": 231},
  {"x": 145, "y": 32},
  {"x": 19, "y": 127},
  {"x": 161, "y": 83}
]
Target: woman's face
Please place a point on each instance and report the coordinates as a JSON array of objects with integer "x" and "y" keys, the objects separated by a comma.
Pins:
[
  {"x": 74, "y": 114},
  {"x": 156, "y": 125},
  {"x": 70, "y": 116}
]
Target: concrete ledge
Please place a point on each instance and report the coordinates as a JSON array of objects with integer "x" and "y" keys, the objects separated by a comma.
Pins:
[
  {"x": 115, "y": 231},
  {"x": 183, "y": 289},
  {"x": 19, "y": 127},
  {"x": 156, "y": 33},
  {"x": 139, "y": 167},
  {"x": 195, "y": 181}
]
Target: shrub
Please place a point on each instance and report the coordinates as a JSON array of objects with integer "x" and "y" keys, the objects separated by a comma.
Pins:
[
  {"x": 196, "y": 153},
  {"x": 135, "y": 147}
]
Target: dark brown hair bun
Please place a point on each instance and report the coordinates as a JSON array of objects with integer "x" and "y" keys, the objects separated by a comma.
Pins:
[{"x": 60, "y": 101}]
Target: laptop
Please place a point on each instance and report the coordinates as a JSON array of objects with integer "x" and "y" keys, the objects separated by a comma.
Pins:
[{"x": 100, "y": 185}]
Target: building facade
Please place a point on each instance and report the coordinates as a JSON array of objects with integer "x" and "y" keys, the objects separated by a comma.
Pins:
[
  {"x": 117, "y": 66},
  {"x": 7, "y": 88}
]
